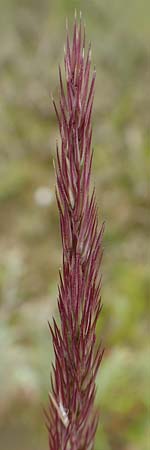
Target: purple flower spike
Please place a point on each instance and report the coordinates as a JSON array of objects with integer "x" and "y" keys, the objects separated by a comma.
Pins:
[{"x": 71, "y": 417}]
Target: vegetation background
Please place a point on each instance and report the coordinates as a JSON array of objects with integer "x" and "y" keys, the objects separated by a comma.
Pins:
[{"x": 32, "y": 38}]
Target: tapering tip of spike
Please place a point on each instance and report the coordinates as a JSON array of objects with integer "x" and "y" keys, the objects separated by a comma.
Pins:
[{"x": 75, "y": 14}]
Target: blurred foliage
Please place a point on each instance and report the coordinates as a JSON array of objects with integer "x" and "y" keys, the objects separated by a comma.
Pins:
[{"x": 32, "y": 33}]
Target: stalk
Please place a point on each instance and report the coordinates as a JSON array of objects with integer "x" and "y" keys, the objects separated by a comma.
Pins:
[{"x": 71, "y": 417}]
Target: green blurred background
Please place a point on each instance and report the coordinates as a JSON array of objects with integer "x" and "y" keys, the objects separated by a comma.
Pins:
[{"x": 32, "y": 39}]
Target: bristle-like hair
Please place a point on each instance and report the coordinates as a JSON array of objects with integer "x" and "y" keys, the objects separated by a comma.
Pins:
[{"x": 71, "y": 417}]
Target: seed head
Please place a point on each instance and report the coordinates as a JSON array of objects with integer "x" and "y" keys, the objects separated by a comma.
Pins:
[{"x": 71, "y": 418}]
